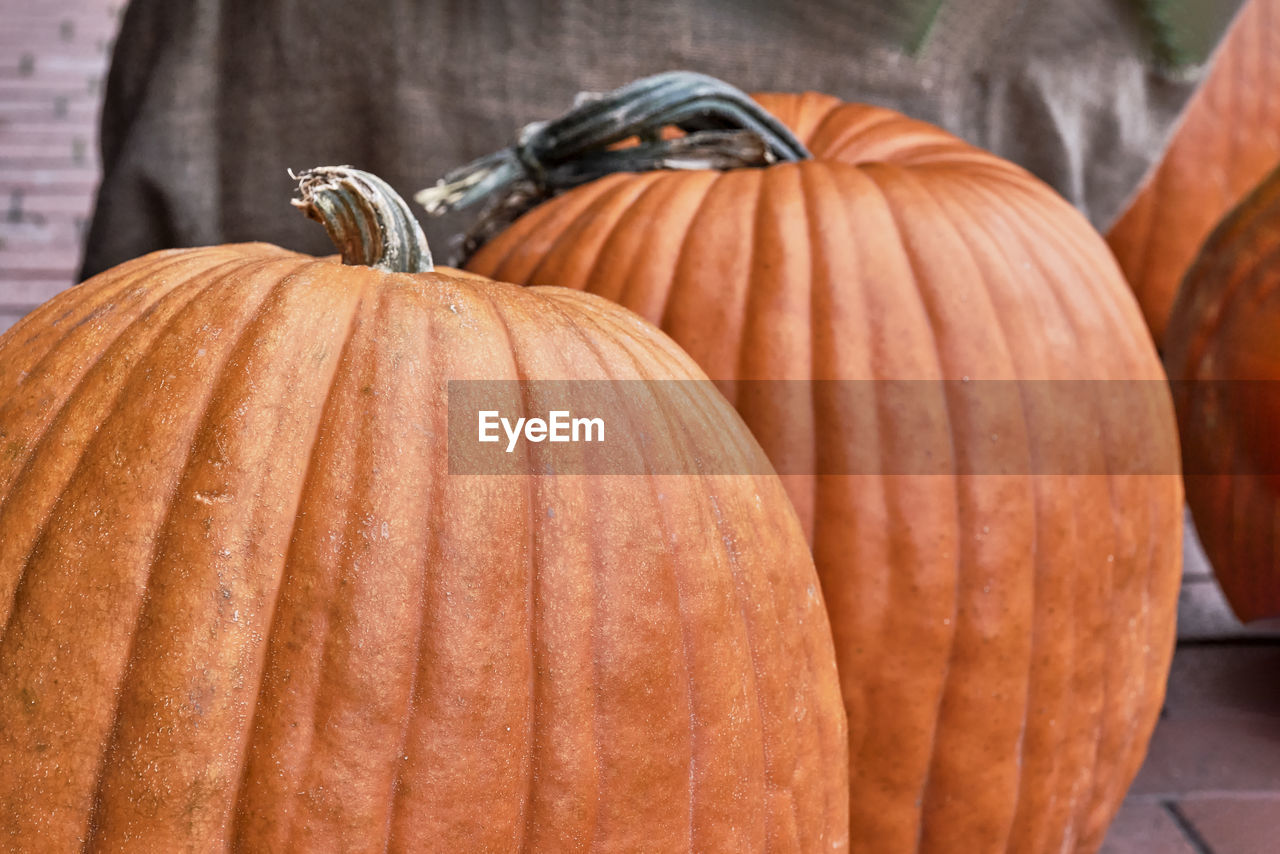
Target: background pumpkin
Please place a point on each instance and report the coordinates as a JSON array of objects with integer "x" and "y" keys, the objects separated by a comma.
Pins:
[
  {"x": 1222, "y": 350},
  {"x": 1003, "y": 638},
  {"x": 1228, "y": 140},
  {"x": 245, "y": 604}
]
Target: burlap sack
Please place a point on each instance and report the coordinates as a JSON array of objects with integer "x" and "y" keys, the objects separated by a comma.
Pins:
[{"x": 209, "y": 102}]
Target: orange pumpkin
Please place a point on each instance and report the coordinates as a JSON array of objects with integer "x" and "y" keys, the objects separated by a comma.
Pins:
[
  {"x": 247, "y": 606},
  {"x": 1003, "y": 638},
  {"x": 1222, "y": 350},
  {"x": 1228, "y": 140}
]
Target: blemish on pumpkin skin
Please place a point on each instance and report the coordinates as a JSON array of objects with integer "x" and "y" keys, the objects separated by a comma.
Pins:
[
  {"x": 28, "y": 698},
  {"x": 91, "y": 316}
]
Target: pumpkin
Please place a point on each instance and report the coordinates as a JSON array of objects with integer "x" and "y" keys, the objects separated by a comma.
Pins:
[
  {"x": 1003, "y": 602},
  {"x": 1227, "y": 141},
  {"x": 246, "y": 605},
  {"x": 1222, "y": 350}
]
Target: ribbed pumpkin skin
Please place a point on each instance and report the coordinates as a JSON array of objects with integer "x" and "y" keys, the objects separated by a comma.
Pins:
[
  {"x": 246, "y": 606},
  {"x": 1225, "y": 329},
  {"x": 1228, "y": 140},
  {"x": 1003, "y": 639}
]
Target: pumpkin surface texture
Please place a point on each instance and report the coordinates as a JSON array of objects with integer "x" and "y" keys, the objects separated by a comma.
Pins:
[
  {"x": 1004, "y": 622},
  {"x": 1223, "y": 353},
  {"x": 1228, "y": 140},
  {"x": 247, "y": 606}
]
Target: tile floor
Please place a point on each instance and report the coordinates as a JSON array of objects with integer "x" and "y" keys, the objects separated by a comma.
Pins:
[{"x": 1211, "y": 784}]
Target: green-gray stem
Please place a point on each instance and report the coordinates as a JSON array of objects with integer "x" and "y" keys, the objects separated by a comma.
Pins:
[
  {"x": 366, "y": 220},
  {"x": 725, "y": 129}
]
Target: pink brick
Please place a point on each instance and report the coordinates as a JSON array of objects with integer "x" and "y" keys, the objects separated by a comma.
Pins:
[
  {"x": 42, "y": 113},
  {"x": 7, "y": 320},
  {"x": 47, "y": 33},
  {"x": 40, "y": 139},
  {"x": 80, "y": 179},
  {"x": 37, "y": 264},
  {"x": 45, "y": 130},
  {"x": 36, "y": 155},
  {"x": 21, "y": 11},
  {"x": 52, "y": 62},
  {"x": 41, "y": 203},
  {"x": 60, "y": 233},
  {"x": 30, "y": 293},
  {"x": 36, "y": 89}
]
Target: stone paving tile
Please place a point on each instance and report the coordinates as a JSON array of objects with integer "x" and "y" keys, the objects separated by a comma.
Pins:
[
  {"x": 1145, "y": 829},
  {"x": 1220, "y": 729},
  {"x": 1206, "y": 755},
  {"x": 1203, "y": 612},
  {"x": 1225, "y": 683},
  {"x": 1214, "y": 760},
  {"x": 1235, "y": 825}
]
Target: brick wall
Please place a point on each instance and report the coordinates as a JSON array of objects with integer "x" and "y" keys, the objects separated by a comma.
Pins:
[{"x": 53, "y": 62}]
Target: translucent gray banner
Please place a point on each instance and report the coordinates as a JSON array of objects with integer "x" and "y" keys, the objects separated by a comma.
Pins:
[{"x": 850, "y": 427}]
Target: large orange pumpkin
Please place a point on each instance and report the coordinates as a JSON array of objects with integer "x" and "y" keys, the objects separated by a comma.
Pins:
[
  {"x": 1222, "y": 350},
  {"x": 1228, "y": 140},
  {"x": 245, "y": 604},
  {"x": 1004, "y": 632}
]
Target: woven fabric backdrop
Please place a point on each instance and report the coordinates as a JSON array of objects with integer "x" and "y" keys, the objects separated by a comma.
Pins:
[{"x": 210, "y": 102}]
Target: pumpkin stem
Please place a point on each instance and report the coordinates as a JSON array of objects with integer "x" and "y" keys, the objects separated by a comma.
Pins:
[
  {"x": 725, "y": 129},
  {"x": 366, "y": 219}
]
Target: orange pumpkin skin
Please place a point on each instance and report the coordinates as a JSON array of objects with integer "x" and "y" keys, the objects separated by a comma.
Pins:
[
  {"x": 1228, "y": 140},
  {"x": 1222, "y": 350},
  {"x": 246, "y": 606},
  {"x": 1003, "y": 640}
]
